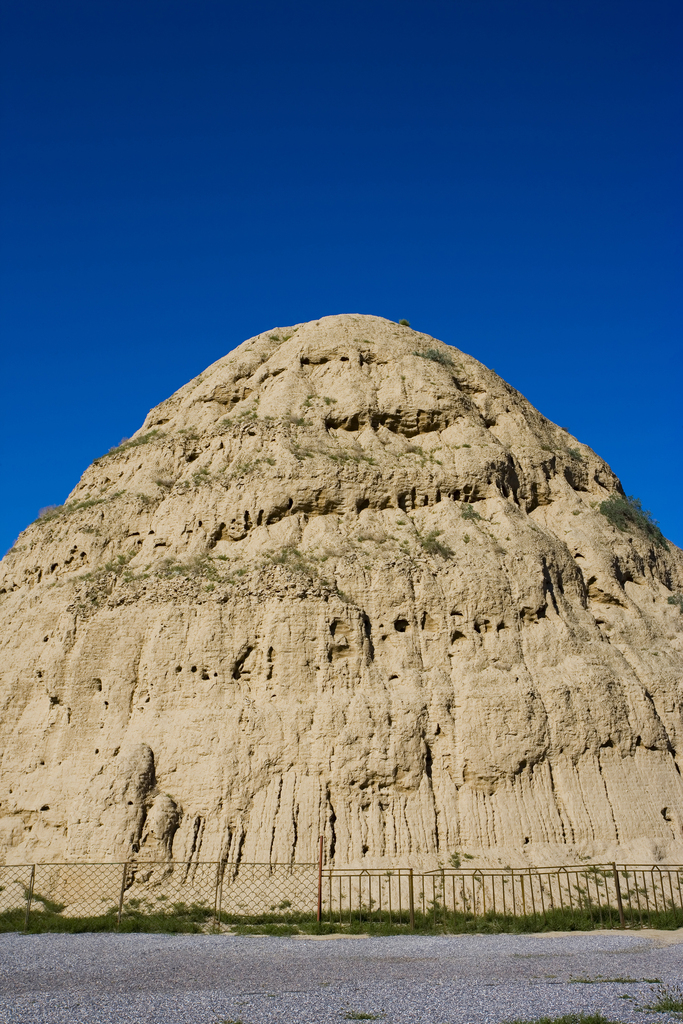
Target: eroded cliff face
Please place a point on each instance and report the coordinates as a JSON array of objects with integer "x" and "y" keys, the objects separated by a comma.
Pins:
[{"x": 348, "y": 582}]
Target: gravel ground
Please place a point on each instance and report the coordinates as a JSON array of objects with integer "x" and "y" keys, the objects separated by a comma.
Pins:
[{"x": 477, "y": 979}]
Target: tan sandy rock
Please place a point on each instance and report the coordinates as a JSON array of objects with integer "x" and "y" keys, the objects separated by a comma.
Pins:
[{"x": 347, "y": 581}]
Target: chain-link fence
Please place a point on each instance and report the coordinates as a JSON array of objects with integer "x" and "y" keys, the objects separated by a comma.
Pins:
[
  {"x": 177, "y": 896},
  {"x": 258, "y": 890}
]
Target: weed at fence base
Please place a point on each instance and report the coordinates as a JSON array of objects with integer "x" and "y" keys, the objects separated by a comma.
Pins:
[
  {"x": 179, "y": 920},
  {"x": 199, "y": 920}
]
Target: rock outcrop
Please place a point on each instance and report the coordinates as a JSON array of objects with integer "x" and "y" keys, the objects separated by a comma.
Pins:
[{"x": 347, "y": 581}]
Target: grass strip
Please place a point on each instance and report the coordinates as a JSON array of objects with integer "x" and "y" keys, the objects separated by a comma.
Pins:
[{"x": 184, "y": 918}]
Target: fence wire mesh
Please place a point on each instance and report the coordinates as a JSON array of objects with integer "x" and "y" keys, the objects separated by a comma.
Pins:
[
  {"x": 209, "y": 895},
  {"x": 76, "y": 890},
  {"x": 255, "y": 890},
  {"x": 170, "y": 888}
]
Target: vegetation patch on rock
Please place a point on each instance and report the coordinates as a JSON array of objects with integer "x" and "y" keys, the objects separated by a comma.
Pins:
[{"x": 627, "y": 513}]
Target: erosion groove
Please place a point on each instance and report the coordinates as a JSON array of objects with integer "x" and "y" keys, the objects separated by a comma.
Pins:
[{"x": 346, "y": 582}]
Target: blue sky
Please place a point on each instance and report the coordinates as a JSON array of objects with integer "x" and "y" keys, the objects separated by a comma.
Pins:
[{"x": 178, "y": 176}]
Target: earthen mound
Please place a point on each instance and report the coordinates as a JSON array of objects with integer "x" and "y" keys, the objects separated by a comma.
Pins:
[{"x": 347, "y": 581}]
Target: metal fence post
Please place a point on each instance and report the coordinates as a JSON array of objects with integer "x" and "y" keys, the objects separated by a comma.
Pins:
[
  {"x": 320, "y": 878},
  {"x": 124, "y": 879},
  {"x": 411, "y": 900},
  {"x": 620, "y": 905},
  {"x": 220, "y": 895},
  {"x": 217, "y": 897},
  {"x": 29, "y": 896}
]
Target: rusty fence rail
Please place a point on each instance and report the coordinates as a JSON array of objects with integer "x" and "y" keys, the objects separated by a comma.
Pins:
[
  {"x": 212, "y": 895},
  {"x": 602, "y": 895}
]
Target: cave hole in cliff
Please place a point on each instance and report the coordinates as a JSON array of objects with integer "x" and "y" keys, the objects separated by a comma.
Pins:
[
  {"x": 362, "y": 503},
  {"x": 526, "y": 840},
  {"x": 259, "y": 517},
  {"x": 428, "y": 761},
  {"x": 179, "y": 668},
  {"x": 367, "y": 630},
  {"x": 401, "y": 625},
  {"x": 333, "y": 833},
  {"x": 290, "y": 502},
  {"x": 531, "y": 615},
  {"x": 193, "y": 669},
  {"x": 216, "y": 535},
  {"x": 239, "y": 664}
]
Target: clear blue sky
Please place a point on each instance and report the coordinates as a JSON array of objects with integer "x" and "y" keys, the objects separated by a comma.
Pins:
[{"x": 179, "y": 175}]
